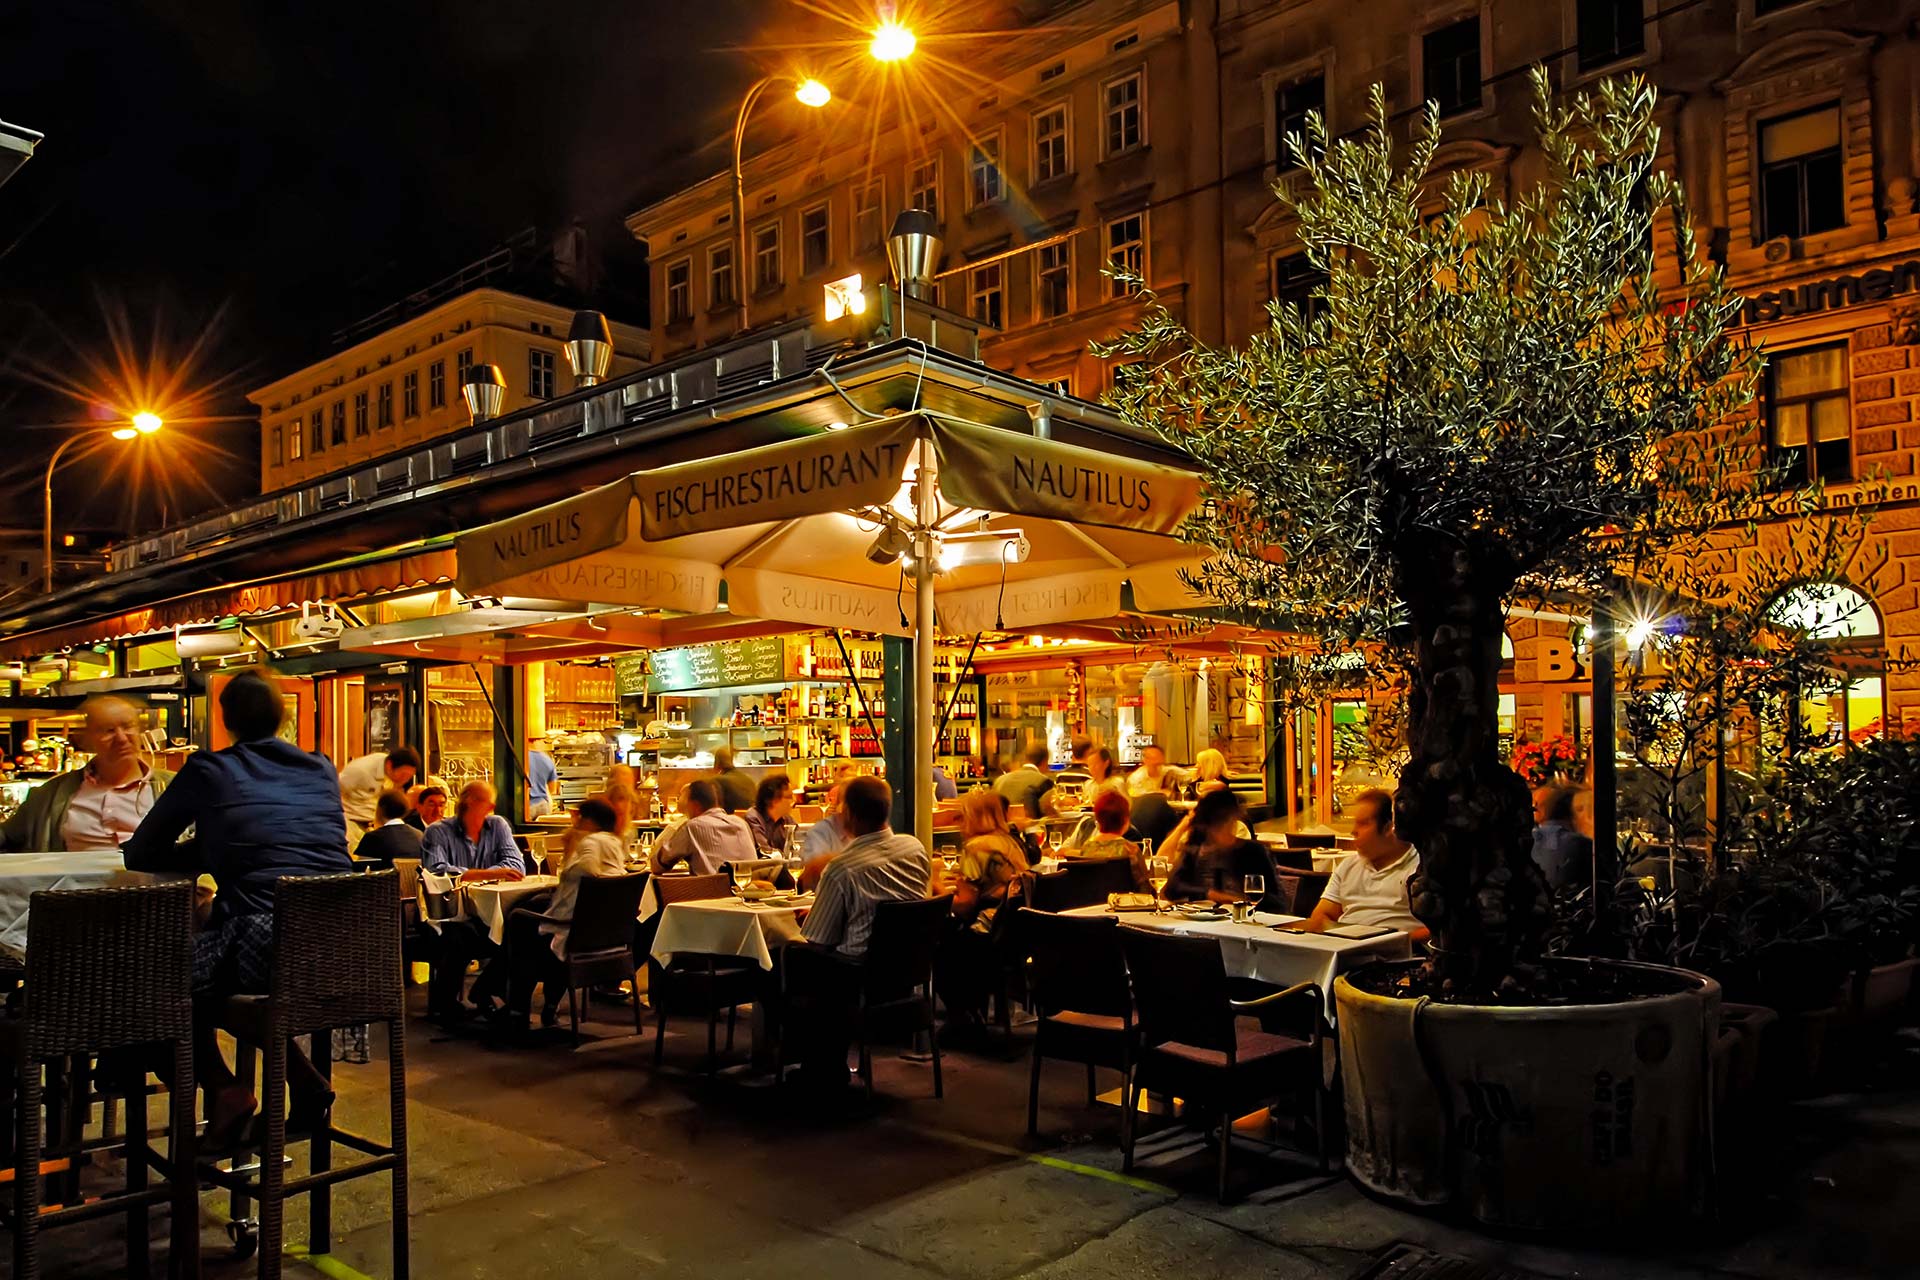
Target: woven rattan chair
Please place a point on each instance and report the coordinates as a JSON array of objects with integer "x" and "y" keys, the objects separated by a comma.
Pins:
[
  {"x": 336, "y": 963},
  {"x": 107, "y": 969}
]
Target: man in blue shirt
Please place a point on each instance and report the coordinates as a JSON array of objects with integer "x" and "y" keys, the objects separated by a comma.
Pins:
[
  {"x": 475, "y": 843},
  {"x": 541, "y": 774}
]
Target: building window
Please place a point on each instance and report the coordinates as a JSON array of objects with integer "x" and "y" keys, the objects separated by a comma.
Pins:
[
  {"x": 295, "y": 442},
  {"x": 1292, "y": 103},
  {"x": 276, "y": 444},
  {"x": 339, "y": 422},
  {"x": 1126, "y": 127},
  {"x": 1809, "y": 422},
  {"x": 720, "y": 276},
  {"x": 766, "y": 257},
  {"x": 386, "y": 405},
  {"x": 360, "y": 413},
  {"x": 437, "y": 385},
  {"x": 1059, "y": 386},
  {"x": 1293, "y": 280},
  {"x": 1126, "y": 252},
  {"x": 317, "y": 434},
  {"x": 816, "y": 240},
  {"x": 1450, "y": 66},
  {"x": 1611, "y": 30},
  {"x": 462, "y": 362},
  {"x": 410, "y": 394},
  {"x": 1053, "y": 279},
  {"x": 923, "y": 187},
  {"x": 869, "y": 214},
  {"x": 1050, "y": 143},
  {"x": 679, "y": 291},
  {"x": 539, "y": 374},
  {"x": 987, "y": 184},
  {"x": 986, "y": 296},
  {"x": 1802, "y": 188}
]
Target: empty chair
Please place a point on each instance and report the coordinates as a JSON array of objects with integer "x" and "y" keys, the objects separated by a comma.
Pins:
[
  {"x": 106, "y": 969},
  {"x": 599, "y": 943},
  {"x": 1078, "y": 986},
  {"x": 1194, "y": 1045},
  {"x": 1051, "y": 891},
  {"x": 1091, "y": 881},
  {"x": 695, "y": 983},
  {"x": 1310, "y": 839}
]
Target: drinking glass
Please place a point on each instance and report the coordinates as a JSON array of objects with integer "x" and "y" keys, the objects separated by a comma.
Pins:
[
  {"x": 1254, "y": 888},
  {"x": 1158, "y": 870}
]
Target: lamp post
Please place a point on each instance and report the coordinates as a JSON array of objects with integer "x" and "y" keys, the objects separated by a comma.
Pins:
[
  {"x": 809, "y": 93},
  {"x": 141, "y": 424}
]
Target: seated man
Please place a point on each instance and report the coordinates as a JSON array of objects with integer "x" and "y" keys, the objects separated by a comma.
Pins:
[
  {"x": 475, "y": 844},
  {"x": 877, "y": 865},
  {"x": 429, "y": 806},
  {"x": 709, "y": 838},
  {"x": 1370, "y": 888},
  {"x": 391, "y": 837}
]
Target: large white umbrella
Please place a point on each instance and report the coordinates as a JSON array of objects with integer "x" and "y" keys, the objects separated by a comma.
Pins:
[{"x": 838, "y": 528}]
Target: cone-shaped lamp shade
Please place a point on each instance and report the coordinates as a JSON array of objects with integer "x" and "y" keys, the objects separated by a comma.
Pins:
[
  {"x": 589, "y": 348},
  {"x": 913, "y": 250},
  {"x": 485, "y": 391}
]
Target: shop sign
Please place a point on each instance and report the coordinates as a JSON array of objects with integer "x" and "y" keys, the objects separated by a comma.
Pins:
[
  {"x": 629, "y": 675},
  {"x": 617, "y": 577},
  {"x": 834, "y": 471},
  {"x": 542, "y": 539},
  {"x": 1826, "y": 295},
  {"x": 820, "y": 602},
  {"x": 995, "y": 470},
  {"x": 1036, "y": 602},
  {"x": 1556, "y": 661},
  {"x": 712, "y": 666}
]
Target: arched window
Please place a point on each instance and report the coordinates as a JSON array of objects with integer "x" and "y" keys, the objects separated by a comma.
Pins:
[
  {"x": 1851, "y": 706},
  {"x": 1826, "y": 611}
]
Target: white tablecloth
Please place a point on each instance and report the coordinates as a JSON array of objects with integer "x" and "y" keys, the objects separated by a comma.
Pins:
[
  {"x": 492, "y": 901},
  {"x": 725, "y": 927},
  {"x": 24, "y": 874},
  {"x": 1260, "y": 952}
]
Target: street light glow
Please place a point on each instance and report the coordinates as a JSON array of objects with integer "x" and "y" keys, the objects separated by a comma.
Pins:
[
  {"x": 892, "y": 42},
  {"x": 145, "y": 423},
  {"x": 124, "y": 433},
  {"x": 812, "y": 93}
]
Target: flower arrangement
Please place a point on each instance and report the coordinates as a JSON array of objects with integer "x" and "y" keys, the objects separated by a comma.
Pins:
[{"x": 1540, "y": 762}]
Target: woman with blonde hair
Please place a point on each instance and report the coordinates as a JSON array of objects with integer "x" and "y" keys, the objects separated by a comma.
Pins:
[
  {"x": 1209, "y": 773},
  {"x": 991, "y": 859}
]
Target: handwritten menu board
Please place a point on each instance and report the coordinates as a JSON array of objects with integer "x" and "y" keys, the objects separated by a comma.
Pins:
[
  {"x": 710, "y": 666},
  {"x": 629, "y": 675}
]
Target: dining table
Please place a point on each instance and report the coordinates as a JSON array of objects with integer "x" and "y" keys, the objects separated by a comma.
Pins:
[
  {"x": 24, "y": 874},
  {"x": 730, "y": 927},
  {"x": 491, "y": 901},
  {"x": 1259, "y": 951}
]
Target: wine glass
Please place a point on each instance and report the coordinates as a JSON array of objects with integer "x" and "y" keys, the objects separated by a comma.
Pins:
[
  {"x": 1158, "y": 869},
  {"x": 1253, "y": 888}
]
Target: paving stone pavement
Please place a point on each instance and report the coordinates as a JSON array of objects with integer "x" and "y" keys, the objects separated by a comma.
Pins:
[{"x": 544, "y": 1161}]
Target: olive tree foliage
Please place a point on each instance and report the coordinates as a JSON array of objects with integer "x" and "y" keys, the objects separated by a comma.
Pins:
[{"x": 1491, "y": 400}]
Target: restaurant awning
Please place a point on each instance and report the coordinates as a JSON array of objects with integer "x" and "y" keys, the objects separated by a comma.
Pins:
[
  {"x": 428, "y": 564},
  {"x": 795, "y": 531}
]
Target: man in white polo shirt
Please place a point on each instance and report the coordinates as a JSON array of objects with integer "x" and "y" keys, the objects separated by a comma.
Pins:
[{"x": 1370, "y": 888}]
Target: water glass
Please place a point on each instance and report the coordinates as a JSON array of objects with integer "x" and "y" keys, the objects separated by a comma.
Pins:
[{"x": 1254, "y": 888}]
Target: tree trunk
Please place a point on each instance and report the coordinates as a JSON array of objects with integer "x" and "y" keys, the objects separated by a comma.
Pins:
[{"x": 1470, "y": 816}]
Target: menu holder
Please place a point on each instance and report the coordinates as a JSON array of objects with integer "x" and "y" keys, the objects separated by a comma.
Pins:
[{"x": 1356, "y": 932}]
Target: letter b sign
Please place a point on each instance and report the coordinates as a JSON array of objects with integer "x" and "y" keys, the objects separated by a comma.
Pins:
[{"x": 1556, "y": 661}]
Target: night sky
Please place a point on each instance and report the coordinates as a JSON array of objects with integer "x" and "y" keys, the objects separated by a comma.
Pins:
[{"x": 244, "y": 178}]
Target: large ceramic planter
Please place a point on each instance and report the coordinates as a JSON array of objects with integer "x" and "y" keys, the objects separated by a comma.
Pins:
[{"x": 1578, "y": 1119}]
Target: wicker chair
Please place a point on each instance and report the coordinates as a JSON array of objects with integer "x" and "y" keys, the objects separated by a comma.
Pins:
[
  {"x": 697, "y": 983},
  {"x": 107, "y": 969},
  {"x": 336, "y": 964}
]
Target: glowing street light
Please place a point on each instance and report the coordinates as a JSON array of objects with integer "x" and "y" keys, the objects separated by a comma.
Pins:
[
  {"x": 812, "y": 93},
  {"x": 892, "y": 42},
  {"x": 809, "y": 93},
  {"x": 141, "y": 424}
]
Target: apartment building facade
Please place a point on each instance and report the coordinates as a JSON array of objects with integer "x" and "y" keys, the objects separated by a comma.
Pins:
[{"x": 401, "y": 386}]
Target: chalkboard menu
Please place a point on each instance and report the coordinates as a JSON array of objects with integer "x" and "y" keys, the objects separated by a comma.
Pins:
[
  {"x": 629, "y": 675},
  {"x": 710, "y": 666}
]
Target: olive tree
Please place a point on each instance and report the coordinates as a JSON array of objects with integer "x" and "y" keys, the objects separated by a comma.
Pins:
[{"x": 1492, "y": 398}]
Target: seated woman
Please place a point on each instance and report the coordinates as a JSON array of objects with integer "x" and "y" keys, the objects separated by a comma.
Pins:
[
  {"x": 1111, "y": 813},
  {"x": 536, "y": 933},
  {"x": 1209, "y": 855},
  {"x": 261, "y": 809},
  {"x": 771, "y": 819},
  {"x": 991, "y": 858},
  {"x": 1209, "y": 774}
]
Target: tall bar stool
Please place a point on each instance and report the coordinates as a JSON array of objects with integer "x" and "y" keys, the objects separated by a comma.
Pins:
[
  {"x": 336, "y": 963},
  {"x": 107, "y": 969}
]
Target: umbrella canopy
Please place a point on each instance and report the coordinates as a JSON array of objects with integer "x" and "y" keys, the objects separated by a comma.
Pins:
[{"x": 834, "y": 530}]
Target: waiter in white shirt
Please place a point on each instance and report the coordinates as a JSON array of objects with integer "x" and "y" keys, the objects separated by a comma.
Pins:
[
  {"x": 363, "y": 779},
  {"x": 1370, "y": 888}
]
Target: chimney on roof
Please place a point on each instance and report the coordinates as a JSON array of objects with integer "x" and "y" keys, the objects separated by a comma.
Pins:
[
  {"x": 484, "y": 390},
  {"x": 913, "y": 250},
  {"x": 589, "y": 348}
]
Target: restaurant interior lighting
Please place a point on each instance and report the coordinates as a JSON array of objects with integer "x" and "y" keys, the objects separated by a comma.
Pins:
[{"x": 892, "y": 42}]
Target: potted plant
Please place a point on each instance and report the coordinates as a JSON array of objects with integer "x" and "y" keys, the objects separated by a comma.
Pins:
[{"x": 1488, "y": 401}]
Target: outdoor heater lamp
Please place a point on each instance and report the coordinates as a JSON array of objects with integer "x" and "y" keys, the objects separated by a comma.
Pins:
[
  {"x": 589, "y": 348},
  {"x": 484, "y": 390},
  {"x": 913, "y": 250}
]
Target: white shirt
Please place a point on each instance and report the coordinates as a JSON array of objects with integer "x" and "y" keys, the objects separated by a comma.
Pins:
[
  {"x": 598, "y": 853},
  {"x": 361, "y": 782},
  {"x": 878, "y": 867},
  {"x": 707, "y": 841},
  {"x": 1374, "y": 895},
  {"x": 1142, "y": 783},
  {"x": 102, "y": 817}
]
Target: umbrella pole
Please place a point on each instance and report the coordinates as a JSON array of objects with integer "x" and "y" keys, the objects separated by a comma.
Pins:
[{"x": 927, "y": 511}]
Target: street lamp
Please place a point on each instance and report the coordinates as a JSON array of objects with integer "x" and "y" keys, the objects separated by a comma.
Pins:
[
  {"x": 141, "y": 424},
  {"x": 809, "y": 93},
  {"x": 892, "y": 42}
]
